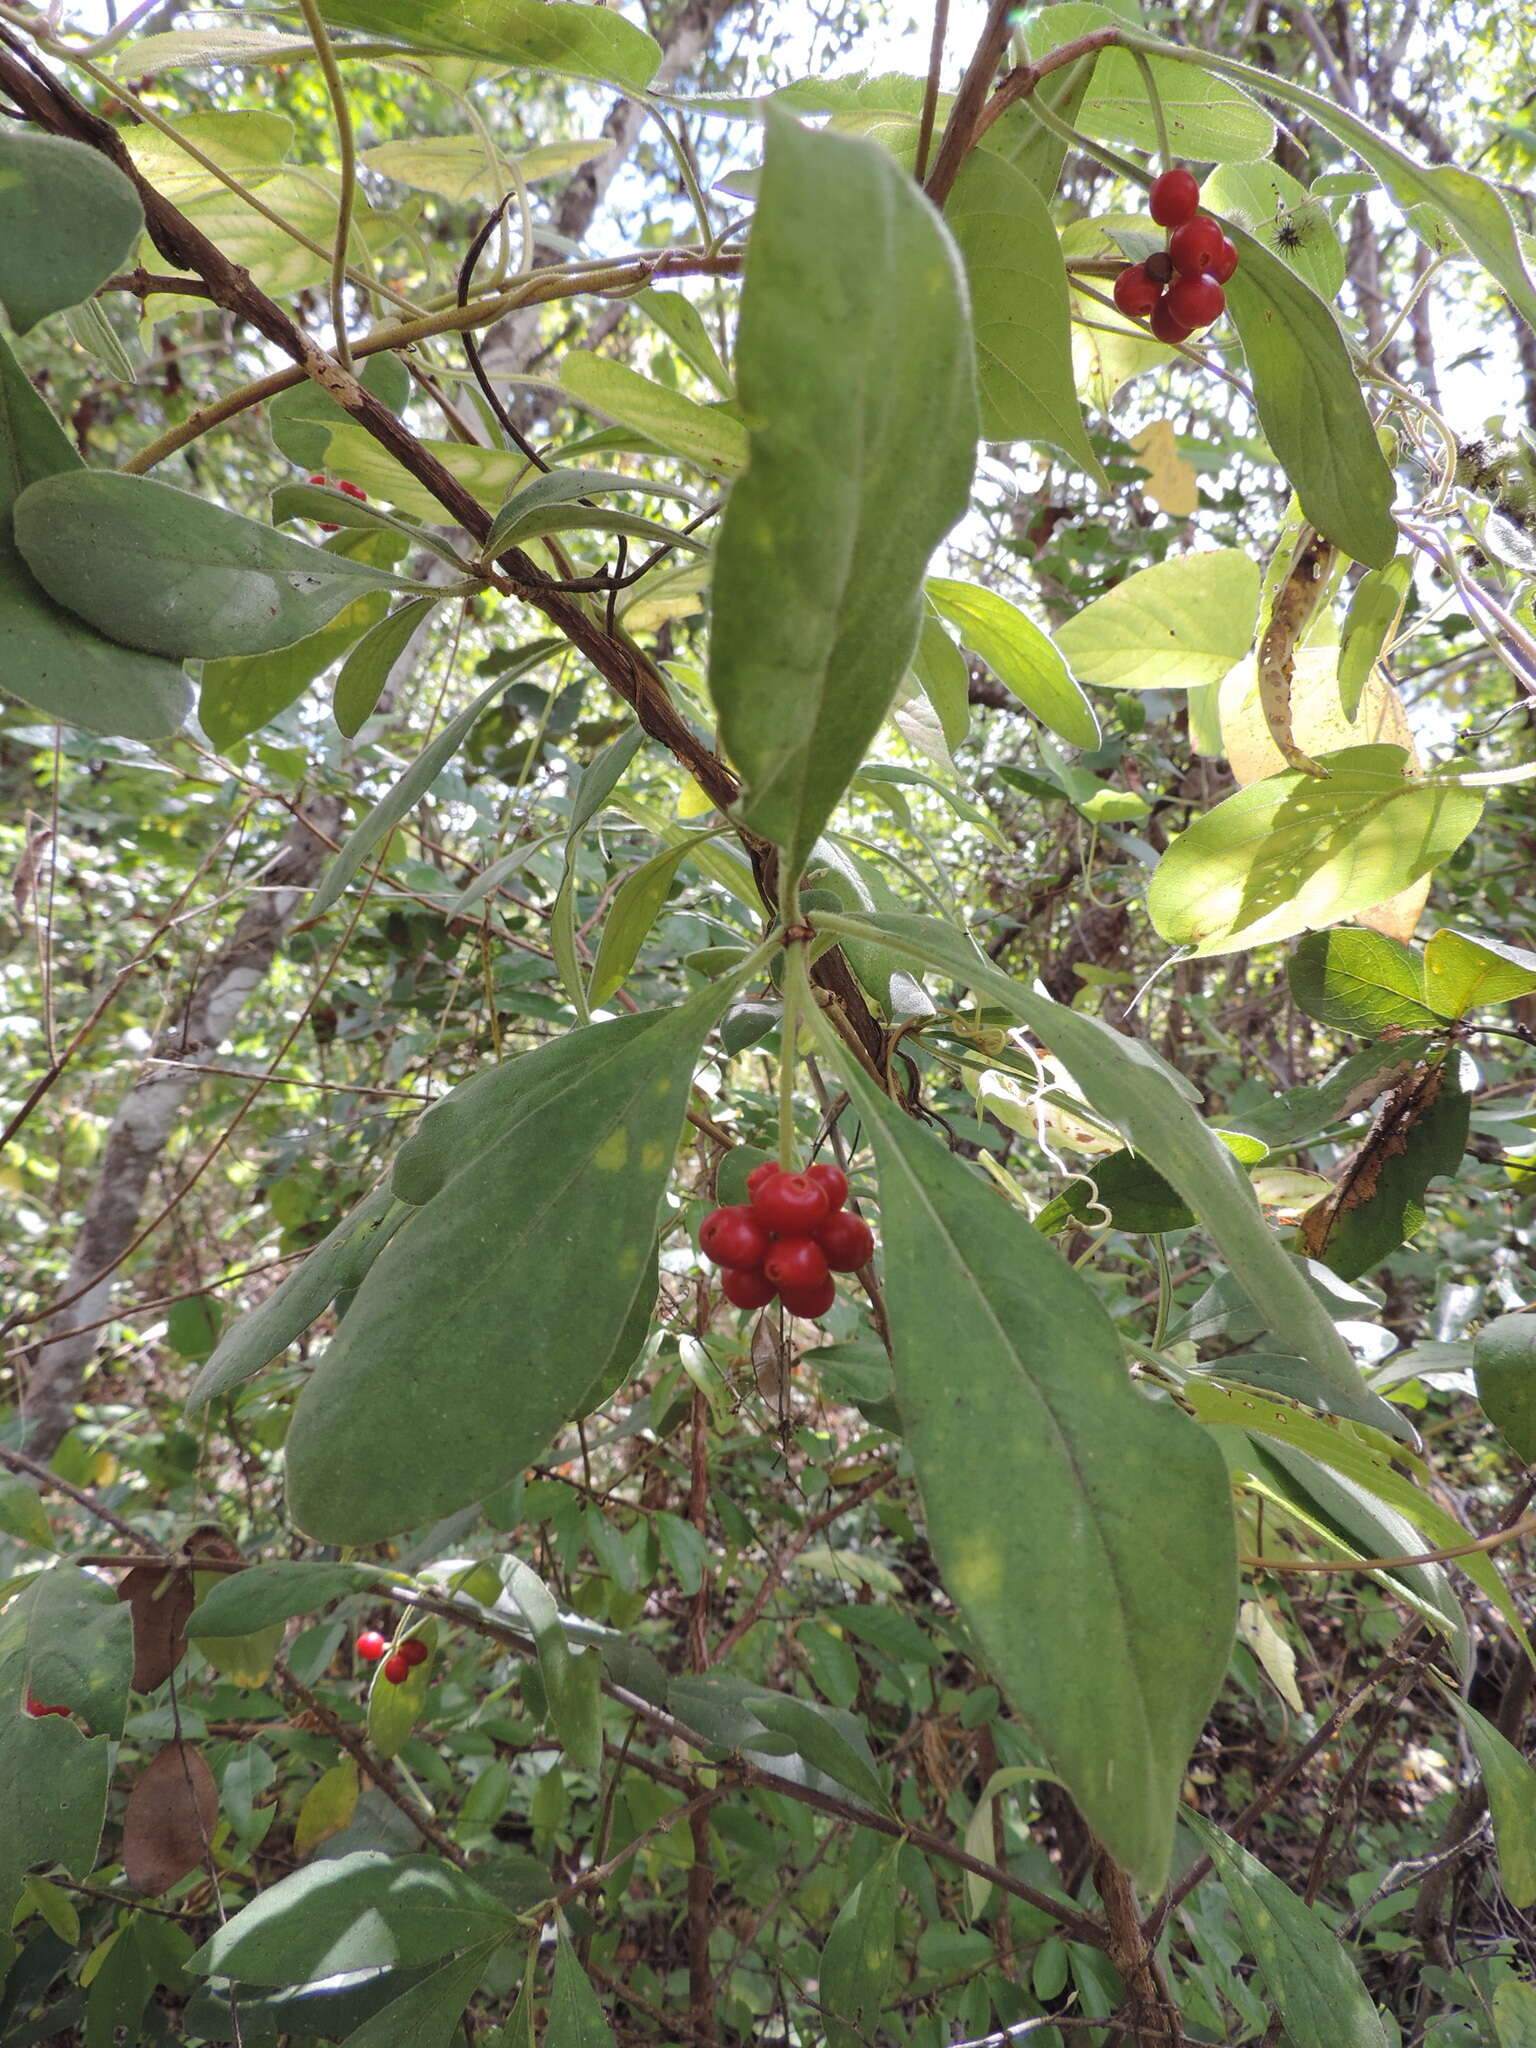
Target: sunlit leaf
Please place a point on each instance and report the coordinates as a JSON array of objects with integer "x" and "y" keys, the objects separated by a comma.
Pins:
[{"x": 1178, "y": 624}]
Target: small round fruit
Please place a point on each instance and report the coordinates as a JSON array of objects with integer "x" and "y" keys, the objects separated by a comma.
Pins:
[
  {"x": 791, "y": 1204},
  {"x": 832, "y": 1178},
  {"x": 414, "y": 1651},
  {"x": 847, "y": 1241},
  {"x": 1159, "y": 266},
  {"x": 734, "y": 1237},
  {"x": 1196, "y": 246},
  {"x": 1174, "y": 197},
  {"x": 810, "y": 1302},
  {"x": 1225, "y": 263},
  {"x": 1135, "y": 293},
  {"x": 1163, "y": 324},
  {"x": 353, "y": 490},
  {"x": 746, "y": 1290},
  {"x": 794, "y": 1263},
  {"x": 759, "y": 1174},
  {"x": 1196, "y": 301},
  {"x": 370, "y": 1646},
  {"x": 397, "y": 1669}
]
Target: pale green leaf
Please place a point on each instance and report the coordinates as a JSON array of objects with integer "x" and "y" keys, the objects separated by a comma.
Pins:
[
  {"x": 859, "y": 1960},
  {"x": 944, "y": 678},
  {"x": 709, "y": 435},
  {"x": 239, "y": 695},
  {"x": 184, "y": 49},
  {"x": 1174, "y": 626},
  {"x": 1019, "y": 655},
  {"x": 1511, "y": 1786},
  {"x": 683, "y": 324},
  {"x": 855, "y": 369},
  {"x": 528, "y": 35},
  {"x": 1504, "y": 1361},
  {"x": 68, "y": 219},
  {"x": 309, "y": 199},
  {"x": 367, "y": 669},
  {"x": 636, "y": 905},
  {"x": 1265, "y": 200},
  {"x": 1463, "y": 973},
  {"x": 575, "y": 2018},
  {"x": 300, "y": 419},
  {"x": 242, "y": 142},
  {"x": 1359, "y": 981},
  {"x": 560, "y": 488},
  {"x": 1375, "y": 606}
]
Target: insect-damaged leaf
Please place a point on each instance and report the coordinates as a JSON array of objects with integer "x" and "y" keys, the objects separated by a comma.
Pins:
[
  {"x": 480, "y": 1332},
  {"x": 856, "y": 372},
  {"x": 1377, "y": 1203},
  {"x": 1043, "y": 1468},
  {"x": 169, "y": 1820}
]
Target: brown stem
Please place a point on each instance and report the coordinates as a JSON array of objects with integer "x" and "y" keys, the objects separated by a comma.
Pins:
[{"x": 1154, "y": 2016}]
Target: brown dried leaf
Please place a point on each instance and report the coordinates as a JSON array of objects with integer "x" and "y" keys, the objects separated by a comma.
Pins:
[
  {"x": 161, "y": 1602},
  {"x": 169, "y": 1820},
  {"x": 1404, "y": 1107}
]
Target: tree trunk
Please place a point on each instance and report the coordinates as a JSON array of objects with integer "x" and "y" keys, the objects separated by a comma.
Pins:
[{"x": 146, "y": 1117}]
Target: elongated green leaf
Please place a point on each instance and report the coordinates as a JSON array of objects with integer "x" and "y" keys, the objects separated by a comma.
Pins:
[
  {"x": 428, "y": 2015},
  {"x": 155, "y": 568},
  {"x": 239, "y": 1603},
  {"x": 53, "y": 1792},
  {"x": 575, "y": 2018},
  {"x": 1511, "y": 1786},
  {"x": 367, "y": 668},
  {"x": 52, "y": 661},
  {"x": 1309, "y": 403},
  {"x": 337, "y": 1263},
  {"x": 528, "y": 35},
  {"x": 1042, "y": 1466},
  {"x": 180, "y": 49},
  {"x": 1019, "y": 310},
  {"x": 859, "y": 1959},
  {"x": 1019, "y": 655},
  {"x": 365, "y": 1911},
  {"x": 1504, "y": 1360},
  {"x": 862, "y": 452},
  {"x": 1374, "y": 610},
  {"x": 834, "y": 1741},
  {"x": 941, "y": 670},
  {"x": 1359, "y": 981},
  {"x": 705, "y": 434},
  {"x": 417, "y": 780},
  {"x": 328, "y": 507},
  {"x": 636, "y": 905},
  {"x": 1463, "y": 972},
  {"x": 68, "y": 219},
  {"x": 570, "y": 1676},
  {"x": 240, "y": 141},
  {"x": 559, "y": 489},
  {"x": 1278, "y": 211},
  {"x": 1151, "y": 1106},
  {"x": 1207, "y": 120},
  {"x": 1310, "y": 1976},
  {"x": 394, "y": 1710},
  {"x": 521, "y": 1273},
  {"x": 1181, "y": 623},
  {"x": 683, "y": 324},
  {"x": 1295, "y": 852},
  {"x": 1382, "y": 1204},
  {"x": 241, "y": 694}
]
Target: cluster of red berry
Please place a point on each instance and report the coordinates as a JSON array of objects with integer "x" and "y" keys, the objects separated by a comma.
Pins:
[
  {"x": 352, "y": 491},
  {"x": 371, "y": 1646},
  {"x": 787, "y": 1239},
  {"x": 37, "y": 1710},
  {"x": 1179, "y": 288}
]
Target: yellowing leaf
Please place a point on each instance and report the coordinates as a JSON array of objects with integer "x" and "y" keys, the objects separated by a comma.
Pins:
[
  {"x": 1172, "y": 482},
  {"x": 328, "y": 1807},
  {"x": 1318, "y": 723}
]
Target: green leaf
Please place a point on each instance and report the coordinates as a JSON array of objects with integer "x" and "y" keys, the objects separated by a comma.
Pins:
[
  {"x": 1295, "y": 852},
  {"x": 1463, "y": 973},
  {"x": 1019, "y": 310},
  {"x": 683, "y": 324},
  {"x": 364, "y": 1911},
  {"x": 367, "y": 668},
  {"x": 1359, "y": 981},
  {"x": 834, "y": 1741},
  {"x": 241, "y": 142},
  {"x": 575, "y": 2018},
  {"x": 1374, "y": 610},
  {"x": 240, "y": 1603},
  {"x": 306, "y": 197},
  {"x": 413, "y": 785},
  {"x": 22, "y": 1514},
  {"x": 559, "y": 489},
  {"x": 636, "y": 905},
  {"x": 1504, "y": 1362},
  {"x": 80, "y": 1647},
  {"x": 1316, "y": 1987},
  {"x": 1279, "y": 212},
  {"x": 855, "y": 369},
  {"x": 394, "y": 1710},
  {"x": 68, "y": 219},
  {"x": 1309, "y": 404},
  {"x": 1150, "y": 1105},
  {"x": 708, "y": 435},
  {"x": 428, "y": 2015},
  {"x": 525, "y": 35},
  {"x": 1514, "y": 2013},
  {"x": 336, "y": 1264},
  {"x": 944, "y": 677},
  {"x": 1042, "y": 1466},
  {"x": 52, "y": 661},
  {"x": 1181, "y": 623},
  {"x": 301, "y": 419},
  {"x": 858, "y": 1962},
  {"x": 156, "y": 568},
  {"x": 1135, "y": 1194},
  {"x": 1208, "y": 121},
  {"x": 1511, "y": 1787},
  {"x": 517, "y": 1279},
  {"x": 1019, "y": 655},
  {"x": 571, "y": 1677},
  {"x": 1398, "y": 1166},
  {"x": 241, "y": 694},
  {"x": 53, "y": 1793}
]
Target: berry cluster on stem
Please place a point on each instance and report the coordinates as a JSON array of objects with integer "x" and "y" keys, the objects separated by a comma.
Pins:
[
  {"x": 1179, "y": 288},
  {"x": 787, "y": 1239},
  {"x": 398, "y": 1664}
]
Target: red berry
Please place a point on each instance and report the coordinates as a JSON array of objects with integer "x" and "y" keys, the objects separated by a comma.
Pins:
[
  {"x": 1225, "y": 263},
  {"x": 1174, "y": 197},
  {"x": 810, "y": 1302},
  {"x": 791, "y": 1204},
  {"x": 37, "y": 1710},
  {"x": 746, "y": 1290},
  {"x": 1196, "y": 301},
  {"x": 321, "y": 481},
  {"x": 794, "y": 1263},
  {"x": 397, "y": 1669},
  {"x": 734, "y": 1237},
  {"x": 370, "y": 1645},
  {"x": 1135, "y": 293},
  {"x": 353, "y": 490},
  {"x": 832, "y": 1178},
  {"x": 414, "y": 1651},
  {"x": 1163, "y": 324},
  {"x": 1196, "y": 246},
  {"x": 847, "y": 1241},
  {"x": 759, "y": 1174}
]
